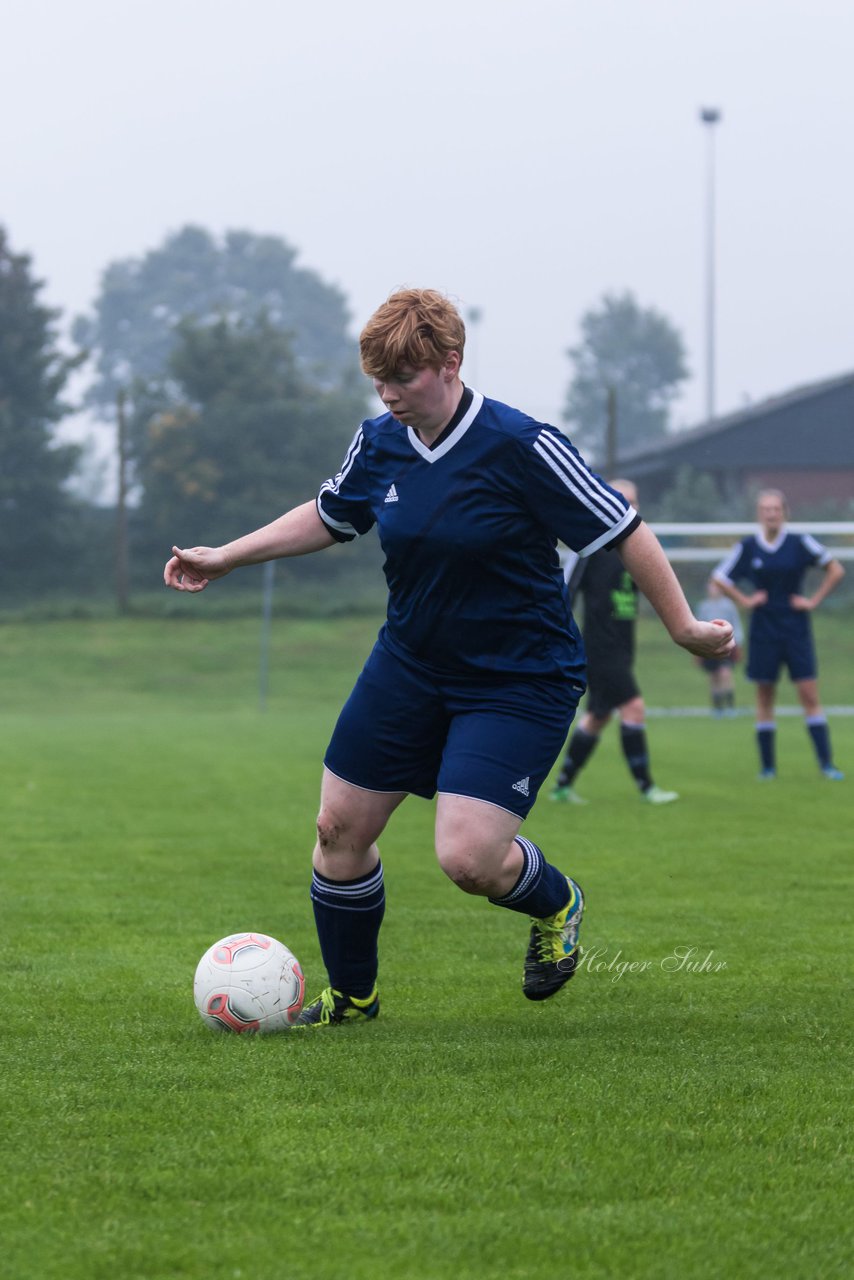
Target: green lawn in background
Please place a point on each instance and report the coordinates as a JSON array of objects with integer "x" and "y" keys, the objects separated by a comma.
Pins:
[{"x": 678, "y": 1110}]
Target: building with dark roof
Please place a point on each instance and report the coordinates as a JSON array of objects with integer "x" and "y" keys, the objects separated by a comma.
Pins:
[{"x": 801, "y": 442}]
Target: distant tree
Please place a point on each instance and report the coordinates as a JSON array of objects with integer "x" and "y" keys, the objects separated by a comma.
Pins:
[
  {"x": 695, "y": 496},
  {"x": 142, "y": 302},
  {"x": 639, "y": 354},
  {"x": 36, "y": 511},
  {"x": 235, "y": 433}
]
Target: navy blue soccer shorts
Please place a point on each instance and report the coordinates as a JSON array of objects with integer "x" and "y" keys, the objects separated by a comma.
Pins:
[
  {"x": 783, "y": 641},
  {"x": 406, "y": 728}
]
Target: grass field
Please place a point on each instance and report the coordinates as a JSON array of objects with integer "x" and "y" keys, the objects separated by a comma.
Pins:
[{"x": 680, "y": 1110}]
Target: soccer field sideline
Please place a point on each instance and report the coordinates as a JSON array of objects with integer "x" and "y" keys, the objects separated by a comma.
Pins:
[{"x": 743, "y": 712}]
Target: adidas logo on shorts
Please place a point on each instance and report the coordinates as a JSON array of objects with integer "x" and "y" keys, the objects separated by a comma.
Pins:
[
  {"x": 523, "y": 786},
  {"x": 391, "y": 496}
]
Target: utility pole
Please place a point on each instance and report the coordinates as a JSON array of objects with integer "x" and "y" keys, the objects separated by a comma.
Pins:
[
  {"x": 611, "y": 435},
  {"x": 122, "y": 574},
  {"x": 710, "y": 116},
  {"x": 474, "y": 315}
]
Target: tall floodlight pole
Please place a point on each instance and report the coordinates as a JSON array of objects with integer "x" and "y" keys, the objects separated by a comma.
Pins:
[
  {"x": 474, "y": 315},
  {"x": 710, "y": 116}
]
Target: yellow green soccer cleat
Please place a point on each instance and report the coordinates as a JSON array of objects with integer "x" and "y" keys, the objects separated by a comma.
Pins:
[
  {"x": 553, "y": 948},
  {"x": 332, "y": 1007},
  {"x": 566, "y": 795}
]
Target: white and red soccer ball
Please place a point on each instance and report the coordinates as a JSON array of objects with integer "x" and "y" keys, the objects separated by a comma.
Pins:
[{"x": 249, "y": 982}]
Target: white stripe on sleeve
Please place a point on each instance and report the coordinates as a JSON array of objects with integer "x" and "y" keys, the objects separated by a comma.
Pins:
[
  {"x": 575, "y": 470},
  {"x": 821, "y": 554},
  {"x": 726, "y": 566}
]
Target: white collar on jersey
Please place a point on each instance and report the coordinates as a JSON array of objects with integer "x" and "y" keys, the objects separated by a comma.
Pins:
[
  {"x": 776, "y": 544},
  {"x": 432, "y": 455}
]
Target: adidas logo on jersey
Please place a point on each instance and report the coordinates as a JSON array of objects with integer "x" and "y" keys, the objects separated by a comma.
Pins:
[
  {"x": 522, "y": 786},
  {"x": 391, "y": 496}
]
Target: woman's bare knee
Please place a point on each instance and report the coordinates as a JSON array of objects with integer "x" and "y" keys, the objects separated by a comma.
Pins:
[
  {"x": 467, "y": 872},
  {"x": 765, "y": 698},
  {"x": 341, "y": 832},
  {"x": 475, "y": 845},
  {"x": 344, "y": 849},
  {"x": 350, "y": 819},
  {"x": 807, "y": 691}
]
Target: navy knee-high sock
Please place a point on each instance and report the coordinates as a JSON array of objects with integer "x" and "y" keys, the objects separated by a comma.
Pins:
[
  {"x": 633, "y": 742},
  {"x": 581, "y": 747},
  {"x": 820, "y": 734},
  {"x": 348, "y": 915},
  {"x": 766, "y": 734},
  {"x": 541, "y": 889}
]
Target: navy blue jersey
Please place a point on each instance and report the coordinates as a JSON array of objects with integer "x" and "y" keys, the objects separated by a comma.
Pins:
[
  {"x": 469, "y": 531},
  {"x": 777, "y": 567}
]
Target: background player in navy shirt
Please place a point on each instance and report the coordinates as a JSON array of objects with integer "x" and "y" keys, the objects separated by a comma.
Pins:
[
  {"x": 476, "y": 673},
  {"x": 774, "y": 563}
]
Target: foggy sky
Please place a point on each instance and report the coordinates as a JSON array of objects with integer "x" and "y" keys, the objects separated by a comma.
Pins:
[{"x": 525, "y": 156}]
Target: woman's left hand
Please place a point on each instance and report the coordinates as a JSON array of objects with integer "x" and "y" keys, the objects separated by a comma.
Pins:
[{"x": 709, "y": 639}]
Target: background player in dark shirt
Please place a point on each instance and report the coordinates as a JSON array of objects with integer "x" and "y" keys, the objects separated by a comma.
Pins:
[
  {"x": 774, "y": 563},
  {"x": 610, "y": 614},
  {"x": 475, "y": 676}
]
